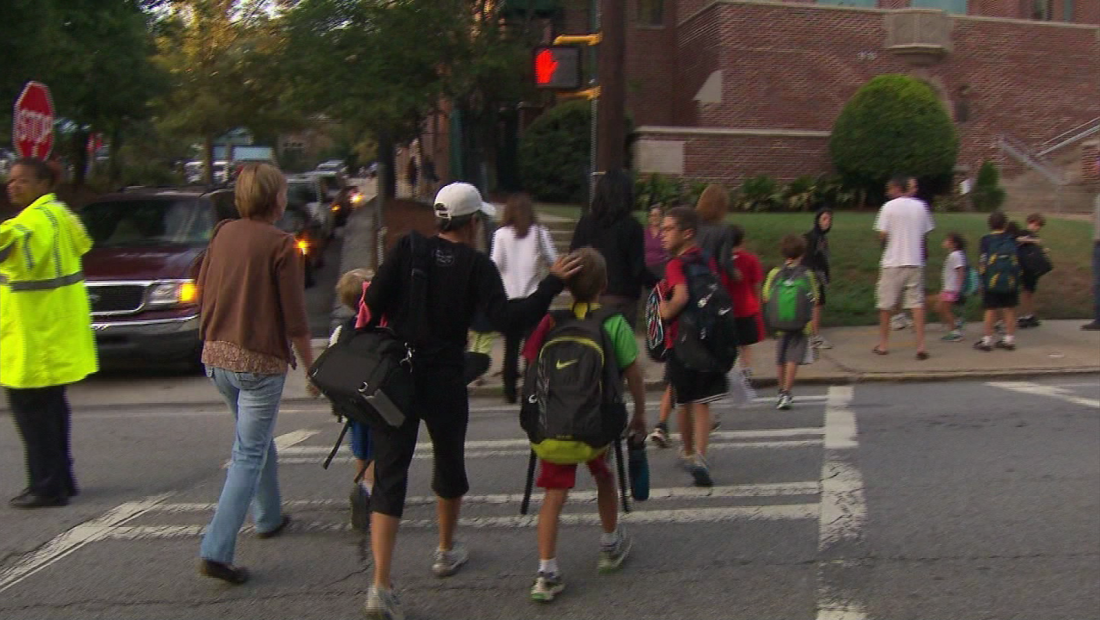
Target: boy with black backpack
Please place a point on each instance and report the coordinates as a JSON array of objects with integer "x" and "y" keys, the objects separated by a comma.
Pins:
[
  {"x": 703, "y": 331},
  {"x": 790, "y": 296},
  {"x": 573, "y": 411},
  {"x": 999, "y": 266}
]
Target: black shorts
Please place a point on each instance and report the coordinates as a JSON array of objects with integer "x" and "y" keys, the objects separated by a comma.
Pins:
[
  {"x": 442, "y": 403},
  {"x": 996, "y": 301},
  {"x": 1029, "y": 281},
  {"x": 748, "y": 330},
  {"x": 692, "y": 386}
]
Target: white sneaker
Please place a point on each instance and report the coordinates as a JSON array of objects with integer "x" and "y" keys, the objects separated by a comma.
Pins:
[
  {"x": 382, "y": 605},
  {"x": 613, "y": 555},
  {"x": 448, "y": 562},
  {"x": 818, "y": 342},
  {"x": 901, "y": 321},
  {"x": 547, "y": 586}
]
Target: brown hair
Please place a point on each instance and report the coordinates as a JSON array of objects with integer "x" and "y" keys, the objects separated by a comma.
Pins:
[
  {"x": 686, "y": 218},
  {"x": 591, "y": 277},
  {"x": 714, "y": 204},
  {"x": 792, "y": 246},
  {"x": 997, "y": 220},
  {"x": 258, "y": 187},
  {"x": 1037, "y": 218},
  {"x": 349, "y": 289},
  {"x": 519, "y": 214}
]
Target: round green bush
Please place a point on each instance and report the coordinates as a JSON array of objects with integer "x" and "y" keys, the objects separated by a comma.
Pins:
[
  {"x": 893, "y": 124},
  {"x": 554, "y": 153}
]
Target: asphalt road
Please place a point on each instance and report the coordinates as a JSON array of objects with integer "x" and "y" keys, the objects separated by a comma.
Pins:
[{"x": 947, "y": 500}]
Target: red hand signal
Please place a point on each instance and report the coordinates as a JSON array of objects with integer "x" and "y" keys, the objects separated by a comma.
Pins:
[{"x": 545, "y": 66}]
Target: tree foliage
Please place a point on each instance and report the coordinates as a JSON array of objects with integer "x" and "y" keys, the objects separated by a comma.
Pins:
[
  {"x": 987, "y": 194},
  {"x": 894, "y": 123},
  {"x": 554, "y": 153}
]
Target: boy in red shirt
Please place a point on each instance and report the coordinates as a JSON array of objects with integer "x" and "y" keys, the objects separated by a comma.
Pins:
[
  {"x": 694, "y": 389},
  {"x": 745, "y": 293}
]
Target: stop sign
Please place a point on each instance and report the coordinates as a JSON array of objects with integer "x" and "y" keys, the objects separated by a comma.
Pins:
[{"x": 33, "y": 120}]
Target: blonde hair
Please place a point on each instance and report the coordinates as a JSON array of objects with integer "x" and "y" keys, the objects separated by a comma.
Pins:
[
  {"x": 714, "y": 204},
  {"x": 258, "y": 187},
  {"x": 591, "y": 278},
  {"x": 349, "y": 289}
]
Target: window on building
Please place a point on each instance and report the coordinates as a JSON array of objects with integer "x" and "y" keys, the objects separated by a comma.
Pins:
[
  {"x": 651, "y": 12},
  {"x": 1042, "y": 10},
  {"x": 867, "y": 3},
  {"x": 957, "y": 7}
]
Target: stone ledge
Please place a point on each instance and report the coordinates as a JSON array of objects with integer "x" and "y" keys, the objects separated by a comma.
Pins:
[{"x": 722, "y": 131}]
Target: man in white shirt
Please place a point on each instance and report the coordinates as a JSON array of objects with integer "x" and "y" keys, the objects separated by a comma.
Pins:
[{"x": 903, "y": 225}]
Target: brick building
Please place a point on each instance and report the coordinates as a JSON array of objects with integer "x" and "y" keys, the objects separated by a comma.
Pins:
[{"x": 726, "y": 89}]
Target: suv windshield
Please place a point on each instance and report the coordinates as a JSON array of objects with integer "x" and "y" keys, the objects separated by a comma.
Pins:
[
  {"x": 137, "y": 223},
  {"x": 301, "y": 193}
]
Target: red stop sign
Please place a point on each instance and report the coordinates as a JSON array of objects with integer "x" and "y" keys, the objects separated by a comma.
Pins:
[{"x": 33, "y": 120}]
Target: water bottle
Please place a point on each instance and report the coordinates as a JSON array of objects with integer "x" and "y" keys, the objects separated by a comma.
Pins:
[{"x": 638, "y": 465}]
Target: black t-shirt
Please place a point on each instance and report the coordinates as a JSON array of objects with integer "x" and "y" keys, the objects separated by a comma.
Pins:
[{"x": 461, "y": 281}]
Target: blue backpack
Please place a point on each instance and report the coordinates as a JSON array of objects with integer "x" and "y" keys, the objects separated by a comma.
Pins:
[{"x": 1001, "y": 267}]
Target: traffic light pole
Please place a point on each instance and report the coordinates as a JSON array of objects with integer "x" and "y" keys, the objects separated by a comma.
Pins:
[{"x": 611, "y": 106}]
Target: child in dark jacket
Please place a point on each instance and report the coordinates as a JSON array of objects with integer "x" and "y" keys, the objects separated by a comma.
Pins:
[{"x": 817, "y": 260}]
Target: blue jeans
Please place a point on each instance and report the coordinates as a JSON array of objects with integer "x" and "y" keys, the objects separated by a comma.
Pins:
[
  {"x": 1096, "y": 281},
  {"x": 253, "y": 471}
]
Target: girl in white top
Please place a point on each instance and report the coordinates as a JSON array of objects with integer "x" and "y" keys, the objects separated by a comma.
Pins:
[
  {"x": 521, "y": 248},
  {"x": 954, "y": 281}
]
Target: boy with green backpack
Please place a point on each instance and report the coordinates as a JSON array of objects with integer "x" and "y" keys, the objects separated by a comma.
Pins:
[
  {"x": 790, "y": 295},
  {"x": 573, "y": 411}
]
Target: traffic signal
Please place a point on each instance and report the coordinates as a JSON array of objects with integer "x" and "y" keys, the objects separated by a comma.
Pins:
[{"x": 558, "y": 67}]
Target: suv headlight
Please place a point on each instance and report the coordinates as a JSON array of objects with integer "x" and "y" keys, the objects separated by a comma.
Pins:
[{"x": 171, "y": 293}]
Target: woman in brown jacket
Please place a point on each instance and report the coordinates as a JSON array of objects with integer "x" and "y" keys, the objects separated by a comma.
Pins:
[{"x": 253, "y": 308}]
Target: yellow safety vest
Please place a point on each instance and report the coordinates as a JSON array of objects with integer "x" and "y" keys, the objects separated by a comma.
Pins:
[{"x": 45, "y": 320}]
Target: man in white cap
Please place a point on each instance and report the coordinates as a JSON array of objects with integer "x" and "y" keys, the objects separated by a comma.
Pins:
[{"x": 460, "y": 281}]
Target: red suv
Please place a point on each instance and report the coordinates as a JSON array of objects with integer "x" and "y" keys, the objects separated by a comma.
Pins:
[{"x": 147, "y": 247}]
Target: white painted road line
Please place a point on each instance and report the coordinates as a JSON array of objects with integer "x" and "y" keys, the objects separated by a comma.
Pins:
[
  {"x": 655, "y": 404},
  {"x": 1049, "y": 391},
  {"x": 784, "y": 512},
  {"x": 316, "y": 455},
  {"x": 89, "y": 531},
  {"x": 101, "y": 528},
  {"x": 500, "y": 444},
  {"x": 777, "y": 489},
  {"x": 843, "y": 506}
]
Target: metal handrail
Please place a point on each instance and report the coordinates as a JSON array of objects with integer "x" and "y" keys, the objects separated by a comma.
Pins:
[
  {"x": 1069, "y": 137},
  {"x": 1020, "y": 150}
]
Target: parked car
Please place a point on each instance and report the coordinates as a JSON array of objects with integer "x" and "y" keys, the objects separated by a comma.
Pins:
[
  {"x": 308, "y": 191},
  {"x": 337, "y": 194},
  {"x": 332, "y": 165},
  {"x": 298, "y": 221},
  {"x": 141, "y": 271}
]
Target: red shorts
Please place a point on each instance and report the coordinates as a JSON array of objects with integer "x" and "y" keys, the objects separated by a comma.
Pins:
[{"x": 554, "y": 476}]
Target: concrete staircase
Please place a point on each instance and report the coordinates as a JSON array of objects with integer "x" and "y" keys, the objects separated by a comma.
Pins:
[
  {"x": 561, "y": 231},
  {"x": 1051, "y": 179}
]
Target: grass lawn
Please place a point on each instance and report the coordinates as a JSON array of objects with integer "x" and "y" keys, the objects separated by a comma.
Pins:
[{"x": 1063, "y": 294}]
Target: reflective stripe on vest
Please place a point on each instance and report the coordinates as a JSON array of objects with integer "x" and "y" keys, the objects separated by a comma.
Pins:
[{"x": 42, "y": 285}]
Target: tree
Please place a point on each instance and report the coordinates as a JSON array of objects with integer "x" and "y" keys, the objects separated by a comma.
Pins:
[
  {"x": 894, "y": 123},
  {"x": 554, "y": 153},
  {"x": 96, "y": 57},
  {"x": 988, "y": 195},
  {"x": 221, "y": 58}
]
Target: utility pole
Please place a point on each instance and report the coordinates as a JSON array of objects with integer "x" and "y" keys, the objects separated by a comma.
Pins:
[{"x": 611, "y": 106}]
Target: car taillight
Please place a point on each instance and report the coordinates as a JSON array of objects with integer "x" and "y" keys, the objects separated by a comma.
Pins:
[{"x": 303, "y": 246}]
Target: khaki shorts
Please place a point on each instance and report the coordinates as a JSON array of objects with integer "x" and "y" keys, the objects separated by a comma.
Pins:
[{"x": 904, "y": 285}]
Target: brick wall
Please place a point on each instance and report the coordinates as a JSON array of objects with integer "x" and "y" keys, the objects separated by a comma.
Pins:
[
  {"x": 729, "y": 159},
  {"x": 795, "y": 66}
]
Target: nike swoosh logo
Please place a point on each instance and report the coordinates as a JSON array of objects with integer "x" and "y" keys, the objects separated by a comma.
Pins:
[
  {"x": 723, "y": 312},
  {"x": 561, "y": 365}
]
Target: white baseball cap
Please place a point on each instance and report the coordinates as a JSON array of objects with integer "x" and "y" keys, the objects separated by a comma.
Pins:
[{"x": 459, "y": 199}]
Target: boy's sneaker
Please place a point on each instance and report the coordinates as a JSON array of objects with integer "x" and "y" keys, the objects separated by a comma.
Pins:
[
  {"x": 959, "y": 324},
  {"x": 982, "y": 345},
  {"x": 901, "y": 321},
  {"x": 1028, "y": 321},
  {"x": 360, "y": 508},
  {"x": 1007, "y": 346},
  {"x": 700, "y": 472},
  {"x": 448, "y": 562},
  {"x": 612, "y": 556},
  {"x": 686, "y": 459},
  {"x": 382, "y": 604},
  {"x": 547, "y": 586},
  {"x": 716, "y": 420},
  {"x": 659, "y": 437},
  {"x": 818, "y": 342},
  {"x": 785, "y": 401},
  {"x": 952, "y": 336},
  {"x": 999, "y": 327}
]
